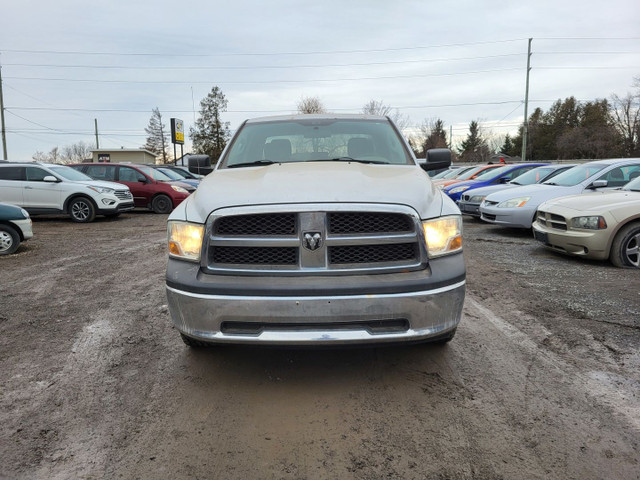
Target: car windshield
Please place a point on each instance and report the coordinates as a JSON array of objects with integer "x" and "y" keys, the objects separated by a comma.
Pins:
[
  {"x": 470, "y": 173},
  {"x": 70, "y": 174},
  {"x": 171, "y": 174},
  {"x": 492, "y": 173},
  {"x": 633, "y": 185},
  {"x": 532, "y": 176},
  {"x": 182, "y": 173},
  {"x": 154, "y": 173},
  {"x": 316, "y": 139},
  {"x": 445, "y": 174},
  {"x": 575, "y": 175}
]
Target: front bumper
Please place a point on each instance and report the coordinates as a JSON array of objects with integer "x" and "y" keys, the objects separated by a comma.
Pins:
[
  {"x": 25, "y": 226},
  {"x": 366, "y": 309},
  {"x": 593, "y": 244},
  {"x": 468, "y": 208},
  {"x": 509, "y": 217}
]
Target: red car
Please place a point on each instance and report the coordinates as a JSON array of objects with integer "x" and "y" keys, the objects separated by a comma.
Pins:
[{"x": 150, "y": 188}]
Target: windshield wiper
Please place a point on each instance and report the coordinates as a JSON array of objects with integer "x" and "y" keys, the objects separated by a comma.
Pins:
[
  {"x": 257, "y": 163},
  {"x": 549, "y": 183},
  {"x": 346, "y": 159}
]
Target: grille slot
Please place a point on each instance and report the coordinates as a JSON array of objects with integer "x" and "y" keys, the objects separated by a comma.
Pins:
[
  {"x": 373, "y": 327},
  {"x": 255, "y": 255},
  {"x": 262, "y": 224},
  {"x": 396, "y": 252},
  {"x": 368, "y": 222}
]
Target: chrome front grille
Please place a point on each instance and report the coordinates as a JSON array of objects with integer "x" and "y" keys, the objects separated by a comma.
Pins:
[
  {"x": 123, "y": 194},
  {"x": 551, "y": 220},
  {"x": 314, "y": 241}
]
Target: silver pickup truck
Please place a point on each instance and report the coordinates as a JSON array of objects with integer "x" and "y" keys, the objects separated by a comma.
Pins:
[{"x": 317, "y": 229}]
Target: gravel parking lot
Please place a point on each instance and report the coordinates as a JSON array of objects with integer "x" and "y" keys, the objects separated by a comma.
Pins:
[{"x": 541, "y": 381}]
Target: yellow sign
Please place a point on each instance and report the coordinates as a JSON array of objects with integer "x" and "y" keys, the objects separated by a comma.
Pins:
[{"x": 177, "y": 131}]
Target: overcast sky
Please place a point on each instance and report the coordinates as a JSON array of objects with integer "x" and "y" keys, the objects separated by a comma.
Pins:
[{"x": 67, "y": 62}]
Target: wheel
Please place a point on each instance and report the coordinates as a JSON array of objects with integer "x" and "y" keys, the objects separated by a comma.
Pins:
[
  {"x": 446, "y": 338},
  {"x": 625, "y": 250},
  {"x": 81, "y": 210},
  {"x": 161, "y": 204},
  {"x": 9, "y": 240},
  {"x": 190, "y": 342}
]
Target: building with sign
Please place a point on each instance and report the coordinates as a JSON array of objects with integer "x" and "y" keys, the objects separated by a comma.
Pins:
[{"x": 122, "y": 155}]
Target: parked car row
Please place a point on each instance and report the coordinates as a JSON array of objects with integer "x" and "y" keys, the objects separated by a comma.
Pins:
[
  {"x": 590, "y": 210},
  {"x": 83, "y": 191}
]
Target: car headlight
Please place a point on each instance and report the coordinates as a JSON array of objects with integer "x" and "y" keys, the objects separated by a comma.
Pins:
[
  {"x": 514, "y": 202},
  {"x": 589, "y": 223},
  {"x": 102, "y": 189},
  {"x": 477, "y": 199},
  {"x": 458, "y": 189},
  {"x": 185, "y": 240},
  {"x": 443, "y": 235},
  {"x": 24, "y": 212},
  {"x": 179, "y": 189}
]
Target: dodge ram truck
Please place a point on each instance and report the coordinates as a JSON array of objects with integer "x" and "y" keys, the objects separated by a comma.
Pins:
[{"x": 317, "y": 230}]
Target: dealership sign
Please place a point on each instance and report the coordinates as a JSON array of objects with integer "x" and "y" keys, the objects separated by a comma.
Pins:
[{"x": 177, "y": 131}]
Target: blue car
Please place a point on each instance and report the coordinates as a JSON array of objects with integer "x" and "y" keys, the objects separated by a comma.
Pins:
[{"x": 493, "y": 176}]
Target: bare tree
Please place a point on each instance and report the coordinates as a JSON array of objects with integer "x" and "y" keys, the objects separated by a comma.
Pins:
[
  {"x": 626, "y": 120},
  {"x": 375, "y": 107},
  {"x": 309, "y": 105},
  {"x": 76, "y": 152}
]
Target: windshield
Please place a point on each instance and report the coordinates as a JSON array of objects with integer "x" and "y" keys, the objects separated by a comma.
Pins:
[
  {"x": 154, "y": 173},
  {"x": 575, "y": 175},
  {"x": 467, "y": 175},
  {"x": 171, "y": 174},
  {"x": 532, "y": 176},
  {"x": 71, "y": 174},
  {"x": 633, "y": 185},
  {"x": 492, "y": 173},
  {"x": 444, "y": 174},
  {"x": 316, "y": 139}
]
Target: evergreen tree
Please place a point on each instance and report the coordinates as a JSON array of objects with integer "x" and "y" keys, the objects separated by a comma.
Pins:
[
  {"x": 157, "y": 141},
  {"x": 474, "y": 148},
  {"x": 211, "y": 134}
]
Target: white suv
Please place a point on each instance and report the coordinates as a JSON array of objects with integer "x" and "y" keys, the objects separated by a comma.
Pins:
[{"x": 49, "y": 188}]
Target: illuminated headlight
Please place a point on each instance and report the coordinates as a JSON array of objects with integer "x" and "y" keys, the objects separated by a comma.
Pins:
[
  {"x": 514, "y": 202},
  {"x": 102, "y": 189},
  {"x": 443, "y": 235},
  {"x": 458, "y": 189},
  {"x": 179, "y": 189},
  {"x": 185, "y": 240},
  {"x": 589, "y": 223},
  {"x": 477, "y": 199}
]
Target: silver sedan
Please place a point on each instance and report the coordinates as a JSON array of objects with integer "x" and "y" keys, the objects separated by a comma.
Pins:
[{"x": 517, "y": 207}]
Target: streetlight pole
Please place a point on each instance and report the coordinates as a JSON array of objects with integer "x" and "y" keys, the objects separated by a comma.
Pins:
[{"x": 4, "y": 133}]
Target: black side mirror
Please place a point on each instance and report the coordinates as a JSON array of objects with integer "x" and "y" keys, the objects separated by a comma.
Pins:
[{"x": 437, "y": 158}]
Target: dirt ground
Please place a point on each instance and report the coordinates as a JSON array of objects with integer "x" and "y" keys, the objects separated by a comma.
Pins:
[{"x": 542, "y": 380}]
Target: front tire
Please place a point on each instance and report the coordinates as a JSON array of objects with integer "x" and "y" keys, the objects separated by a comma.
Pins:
[
  {"x": 161, "y": 204},
  {"x": 9, "y": 240},
  {"x": 81, "y": 210},
  {"x": 625, "y": 250}
]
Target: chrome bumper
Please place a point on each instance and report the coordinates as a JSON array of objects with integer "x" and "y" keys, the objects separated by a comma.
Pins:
[{"x": 428, "y": 314}]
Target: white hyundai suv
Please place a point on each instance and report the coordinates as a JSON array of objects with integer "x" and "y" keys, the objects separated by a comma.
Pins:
[{"x": 43, "y": 188}]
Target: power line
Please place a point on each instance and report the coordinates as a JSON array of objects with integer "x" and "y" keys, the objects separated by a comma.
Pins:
[
  {"x": 260, "y": 82},
  {"x": 259, "y": 67},
  {"x": 245, "y": 54}
]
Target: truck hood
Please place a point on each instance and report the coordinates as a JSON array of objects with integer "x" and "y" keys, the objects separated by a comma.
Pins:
[{"x": 317, "y": 182}]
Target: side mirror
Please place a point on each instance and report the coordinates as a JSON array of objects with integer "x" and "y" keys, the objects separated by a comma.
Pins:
[
  {"x": 504, "y": 180},
  {"x": 437, "y": 158},
  {"x": 50, "y": 179},
  {"x": 598, "y": 184}
]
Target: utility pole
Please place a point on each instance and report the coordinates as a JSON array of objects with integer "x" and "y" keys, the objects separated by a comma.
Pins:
[
  {"x": 95, "y": 121},
  {"x": 4, "y": 133},
  {"x": 525, "y": 126}
]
